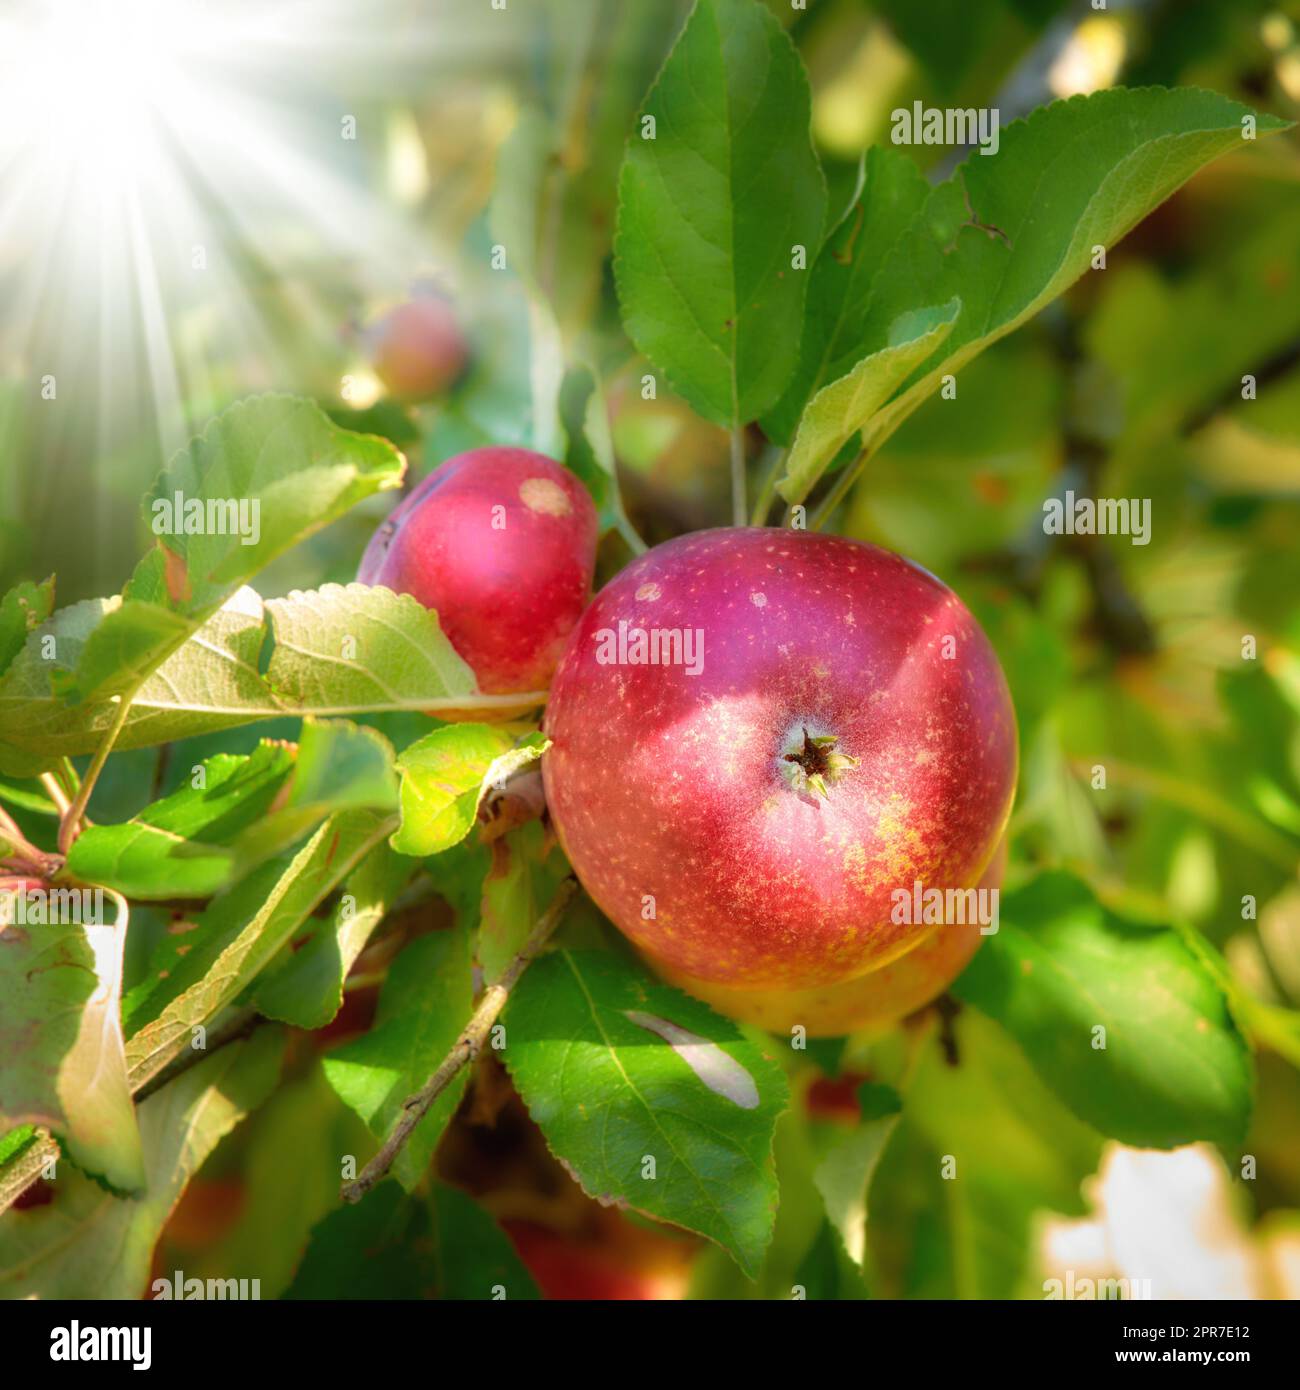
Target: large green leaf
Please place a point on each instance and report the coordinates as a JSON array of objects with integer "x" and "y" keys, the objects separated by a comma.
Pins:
[
  {"x": 649, "y": 1097},
  {"x": 199, "y": 974},
  {"x": 1009, "y": 232},
  {"x": 61, "y": 1037},
  {"x": 712, "y": 209},
  {"x": 338, "y": 650},
  {"x": 181, "y": 846},
  {"x": 426, "y": 1002},
  {"x": 1170, "y": 1067},
  {"x": 286, "y": 469},
  {"x": 89, "y": 1244}
]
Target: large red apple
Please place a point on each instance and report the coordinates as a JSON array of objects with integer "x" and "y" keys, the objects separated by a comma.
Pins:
[
  {"x": 825, "y": 723},
  {"x": 502, "y": 544},
  {"x": 417, "y": 348}
]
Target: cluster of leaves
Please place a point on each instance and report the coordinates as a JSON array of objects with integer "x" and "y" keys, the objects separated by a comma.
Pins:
[{"x": 260, "y": 878}]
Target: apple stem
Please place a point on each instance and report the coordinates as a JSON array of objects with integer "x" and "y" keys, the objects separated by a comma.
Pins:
[{"x": 464, "y": 1049}]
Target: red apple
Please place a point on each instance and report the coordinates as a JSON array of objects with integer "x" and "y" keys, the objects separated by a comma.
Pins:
[
  {"x": 828, "y": 725},
  {"x": 502, "y": 544},
  {"x": 417, "y": 348},
  {"x": 872, "y": 1002},
  {"x": 567, "y": 1268}
]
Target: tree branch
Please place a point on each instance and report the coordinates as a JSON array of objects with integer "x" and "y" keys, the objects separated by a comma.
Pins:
[{"x": 464, "y": 1049}]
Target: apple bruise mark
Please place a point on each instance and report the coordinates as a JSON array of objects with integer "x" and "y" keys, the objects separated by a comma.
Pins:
[
  {"x": 544, "y": 496},
  {"x": 720, "y": 1073}
]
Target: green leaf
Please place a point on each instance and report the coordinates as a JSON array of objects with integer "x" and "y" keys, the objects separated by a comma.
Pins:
[
  {"x": 88, "y": 1244},
  {"x": 711, "y": 210},
  {"x": 443, "y": 778},
  {"x": 450, "y": 1248},
  {"x": 843, "y": 1175},
  {"x": 236, "y": 938},
  {"x": 340, "y": 766},
  {"x": 306, "y": 988},
  {"x": 339, "y": 650},
  {"x": 282, "y": 470},
  {"x": 839, "y": 411},
  {"x": 425, "y": 1003},
  {"x": 1174, "y": 1067},
  {"x": 1009, "y": 232},
  {"x": 620, "y": 1071},
  {"x": 345, "y": 649},
  {"x": 61, "y": 1036},
  {"x": 15, "y": 1141},
  {"x": 180, "y": 847},
  {"x": 24, "y": 608},
  {"x": 891, "y": 192}
]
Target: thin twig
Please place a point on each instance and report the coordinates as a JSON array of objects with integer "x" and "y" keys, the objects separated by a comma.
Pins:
[
  {"x": 72, "y": 816},
  {"x": 54, "y": 790},
  {"x": 26, "y": 855},
  {"x": 463, "y": 1050}
]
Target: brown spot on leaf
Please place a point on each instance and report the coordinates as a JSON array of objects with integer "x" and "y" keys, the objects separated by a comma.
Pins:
[{"x": 176, "y": 576}]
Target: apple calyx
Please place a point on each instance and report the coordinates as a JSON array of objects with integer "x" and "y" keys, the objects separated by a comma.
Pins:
[{"x": 809, "y": 765}]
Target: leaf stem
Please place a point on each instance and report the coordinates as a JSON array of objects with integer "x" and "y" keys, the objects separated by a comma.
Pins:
[
  {"x": 767, "y": 493},
  {"x": 464, "y": 1049},
  {"x": 843, "y": 485},
  {"x": 54, "y": 790},
  {"x": 72, "y": 816},
  {"x": 738, "y": 508}
]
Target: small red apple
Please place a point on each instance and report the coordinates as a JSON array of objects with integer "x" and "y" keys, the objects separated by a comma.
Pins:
[
  {"x": 758, "y": 736},
  {"x": 417, "y": 348},
  {"x": 566, "y": 1268},
  {"x": 502, "y": 544}
]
